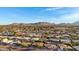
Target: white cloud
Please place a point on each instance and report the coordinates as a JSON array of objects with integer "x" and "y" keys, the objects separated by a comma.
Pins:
[
  {"x": 53, "y": 8},
  {"x": 68, "y": 18}
]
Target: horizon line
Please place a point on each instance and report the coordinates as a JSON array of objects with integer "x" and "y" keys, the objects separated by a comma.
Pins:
[{"x": 37, "y": 22}]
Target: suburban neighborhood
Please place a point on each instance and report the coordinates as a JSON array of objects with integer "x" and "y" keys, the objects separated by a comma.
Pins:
[{"x": 40, "y": 38}]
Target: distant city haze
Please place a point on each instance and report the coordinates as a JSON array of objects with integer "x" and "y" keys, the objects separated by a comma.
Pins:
[{"x": 56, "y": 15}]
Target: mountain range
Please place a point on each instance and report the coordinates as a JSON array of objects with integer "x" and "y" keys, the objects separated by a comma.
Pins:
[
  {"x": 37, "y": 23},
  {"x": 47, "y": 23}
]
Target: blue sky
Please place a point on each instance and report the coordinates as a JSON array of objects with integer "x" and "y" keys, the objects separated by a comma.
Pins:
[{"x": 38, "y": 14}]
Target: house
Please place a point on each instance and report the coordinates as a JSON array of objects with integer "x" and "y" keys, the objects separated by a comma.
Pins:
[
  {"x": 15, "y": 40},
  {"x": 38, "y": 44},
  {"x": 35, "y": 35},
  {"x": 77, "y": 32},
  {"x": 24, "y": 43},
  {"x": 7, "y": 40},
  {"x": 76, "y": 47},
  {"x": 35, "y": 39},
  {"x": 27, "y": 38},
  {"x": 7, "y": 33},
  {"x": 52, "y": 47},
  {"x": 62, "y": 46}
]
